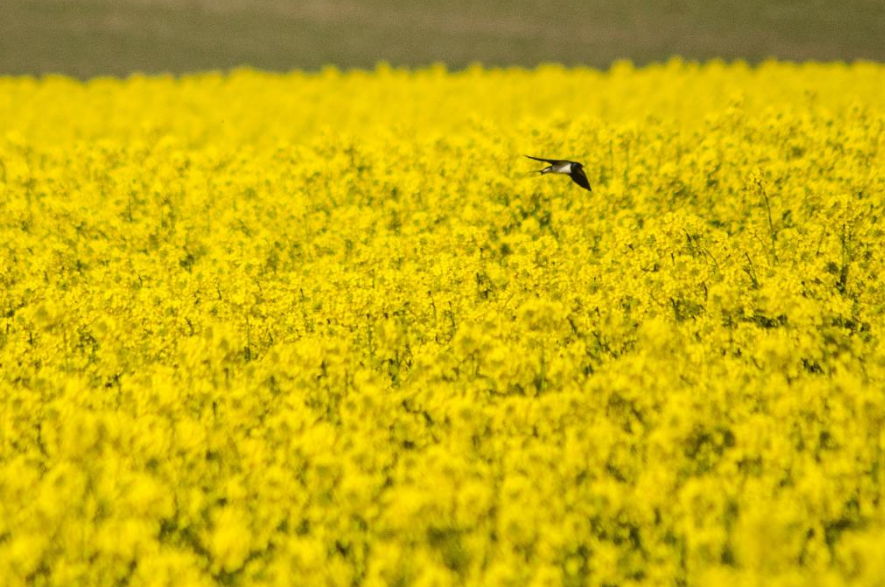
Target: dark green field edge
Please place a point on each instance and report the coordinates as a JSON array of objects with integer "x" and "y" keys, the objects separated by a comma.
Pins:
[{"x": 86, "y": 38}]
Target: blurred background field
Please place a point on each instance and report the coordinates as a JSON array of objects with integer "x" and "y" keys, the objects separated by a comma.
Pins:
[{"x": 88, "y": 38}]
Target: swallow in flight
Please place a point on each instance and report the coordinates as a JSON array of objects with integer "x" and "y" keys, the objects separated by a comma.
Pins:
[{"x": 573, "y": 169}]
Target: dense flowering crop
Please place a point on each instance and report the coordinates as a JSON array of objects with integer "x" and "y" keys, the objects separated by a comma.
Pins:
[{"x": 326, "y": 329}]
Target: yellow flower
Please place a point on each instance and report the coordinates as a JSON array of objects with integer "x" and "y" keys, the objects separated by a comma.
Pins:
[{"x": 270, "y": 328}]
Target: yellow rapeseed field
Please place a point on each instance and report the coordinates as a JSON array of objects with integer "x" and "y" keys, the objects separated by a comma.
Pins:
[{"x": 328, "y": 329}]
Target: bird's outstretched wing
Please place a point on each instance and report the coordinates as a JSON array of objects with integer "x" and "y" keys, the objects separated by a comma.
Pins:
[
  {"x": 550, "y": 161},
  {"x": 580, "y": 178}
]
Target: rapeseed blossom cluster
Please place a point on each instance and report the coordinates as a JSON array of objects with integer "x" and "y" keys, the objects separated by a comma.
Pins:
[{"x": 326, "y": 329}]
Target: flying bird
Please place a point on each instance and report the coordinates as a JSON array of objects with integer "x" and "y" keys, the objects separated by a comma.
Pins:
[{"x": 573, "y": 169}]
